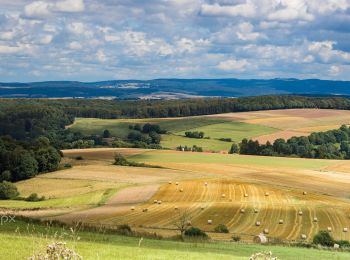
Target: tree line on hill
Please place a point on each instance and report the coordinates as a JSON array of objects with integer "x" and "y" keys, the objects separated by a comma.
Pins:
[
  {"x": 25, "y": 121},
  {"x": 333, "y": 144}
]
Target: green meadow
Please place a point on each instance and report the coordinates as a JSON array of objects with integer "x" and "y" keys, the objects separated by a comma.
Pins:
[
  {"x": 215, "y": 158},
  {"x": 214, "y": 128},
  {"x": 20, "y": 240}
]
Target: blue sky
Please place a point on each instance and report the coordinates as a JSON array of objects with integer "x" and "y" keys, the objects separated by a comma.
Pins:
[{"x": 92, "y": 40}]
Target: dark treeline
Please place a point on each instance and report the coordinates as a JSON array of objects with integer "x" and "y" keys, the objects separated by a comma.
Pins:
[
  {"x": 29, "y": 118},
  {"x": 333, "y": 144},
  {"x": 174, "y": 108}
]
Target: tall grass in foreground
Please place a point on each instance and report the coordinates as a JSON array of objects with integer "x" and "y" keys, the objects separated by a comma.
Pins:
[{"x": 21, "y": 240}]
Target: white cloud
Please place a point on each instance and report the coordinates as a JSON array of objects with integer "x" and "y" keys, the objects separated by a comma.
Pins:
[
  {"x": 334, "y": 70},
  {"x": 70, "y": 6},
  {"x": 46, "y": 39},
  {"x": 246, "y": 32},
  {"x": 233, "y": 64},
  {"x": 75, "y": 46},
  {"x": 76, "y": 28},
  {"x": 6, "y": 36},
  {"x": 245, "y": 10},
  {"x": 37, "y": 10},
  {"x": 101, "y": 56}
]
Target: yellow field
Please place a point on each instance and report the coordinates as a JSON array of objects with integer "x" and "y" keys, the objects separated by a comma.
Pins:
[{"x": 234, "y": 182}]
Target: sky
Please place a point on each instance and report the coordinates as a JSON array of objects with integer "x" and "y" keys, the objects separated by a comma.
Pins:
[{"x": 92, "y": 40}]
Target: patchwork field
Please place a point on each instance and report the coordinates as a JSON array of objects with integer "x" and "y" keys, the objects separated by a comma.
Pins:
[
  {"x": 262, "y": 125},
  {"x": 116, "y": 195}
]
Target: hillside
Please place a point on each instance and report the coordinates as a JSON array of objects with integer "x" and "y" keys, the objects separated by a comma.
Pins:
[
  {"x": 261, "y": 125},
  {"x": 96, "y": 192},
  {"x": 173, "y": 88}
]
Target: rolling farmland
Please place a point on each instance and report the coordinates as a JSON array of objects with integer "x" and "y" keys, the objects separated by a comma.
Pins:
[
  {"x": 226, "y": 189},
  {"x": 262, "y": 125}
]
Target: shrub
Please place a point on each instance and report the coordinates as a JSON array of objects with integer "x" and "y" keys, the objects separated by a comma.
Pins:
[
  {"x": 119, "y": 159},
  {"x": 221, "y": 228},
  {"x": 79, "y": 158},
  {"x": 67, "y": 165},
  {"x": 124, "y": 229},
  {"x": 195, "y": 232},
  {"x": 343, "y": 243},
  {"x": 5, "y": 176},
  {"x": 8, "y": 190},
  {"x": 34, "y": 197},
  {"x": 236, "y": 238},
  {"x": 57, "y": 250},
  {"x": 323, "y": 238}
]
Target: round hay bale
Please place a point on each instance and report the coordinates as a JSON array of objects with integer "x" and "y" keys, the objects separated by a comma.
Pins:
[
  {"x": 300, "y": 213},
  {"x": 202, "y": 207},
  {"x": 315, "y": 219},
  {"x": 176, "y": 183},
  {"x": 223, "y": 195},
  {"x": 266, "y": 231},
  {"x": 258, "y": 223},
  {"x": 159, "y": 202},
  {"x": 329, "y": 229},
  {"x": 176, "y": 208},
  {"x": 267, "y": 194},
  {"x": 170, "y": 182},
  {"x": 256, "y": 210},
  {"x": 144, "y": 210},
  {"x": 280, "y": 221},
  {"x": 336, "y": 246},
  {"x": 181, "y": 190},
  {"x": 304, "y": 193},
  {"x": 345, "y": 229},
  {"x": 303, "y": 236},
  {"x": 206, "y": 184},
  {"x": 242, "y": 210},
  {"x": 155, "y": 201},
  {"x": 210, "y": 221},
  {"x": 245, "y": 195},
  {"x": 133, "y": 208}
]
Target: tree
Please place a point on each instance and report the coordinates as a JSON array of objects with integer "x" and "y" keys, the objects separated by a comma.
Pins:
[
  {"x": 8, "y": 190},
  {"x": 323, "y": 238},
  {"x": 5, "y": 176},
  {"x": 106, "y": 134},
  {"x": 24, "y": 165},
  {"x": 48, "y": 159},
  {"x": 182, "y": 222},
  {"x": 234, "y": 148}
]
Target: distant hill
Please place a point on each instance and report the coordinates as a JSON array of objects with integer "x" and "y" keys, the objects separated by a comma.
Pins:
[{"x": 173, "y": 88}]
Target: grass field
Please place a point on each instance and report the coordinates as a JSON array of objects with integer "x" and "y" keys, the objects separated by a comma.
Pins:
[
  {"x": 20, "y": 241},
  {"x": 262, "y": 125}
]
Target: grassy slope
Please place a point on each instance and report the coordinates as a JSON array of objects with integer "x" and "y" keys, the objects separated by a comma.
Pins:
[
  {"x": 20, "y": 240},
  {"x": 212, "y": 127},
  {"x": 188, "y": 157}
]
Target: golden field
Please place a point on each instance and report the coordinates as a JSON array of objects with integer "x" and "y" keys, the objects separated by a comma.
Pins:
[{"x": 112, "y": 195}]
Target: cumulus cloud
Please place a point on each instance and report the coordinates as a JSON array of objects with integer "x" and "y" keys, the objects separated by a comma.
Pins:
[
  {"x": 232, "y": 65},
  {"x": 187, "y": 38},
  {"x": 71, "y": 6},
  {"x": 38, "y": 9}
]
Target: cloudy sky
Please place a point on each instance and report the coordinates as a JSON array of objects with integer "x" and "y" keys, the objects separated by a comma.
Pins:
[{"x": 92, "y": 40}]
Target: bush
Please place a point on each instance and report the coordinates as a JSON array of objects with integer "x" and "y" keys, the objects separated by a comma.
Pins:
[
  {"x": 343, "y": 243},
  {"x": 8, "y": 190},
  {"x": 34, "y": 197},
  {"x": 195, "y": 232},
  {"x": 67, "y": 165},
  {"x": 236, "y": 238},
  {"x": 124, "y": 229},
  {"x": 79, "y": 158},
  {"x": 323, "y": 238},
  {"x": 221, "y": 228},
  {"x": 5, "y": 176}
]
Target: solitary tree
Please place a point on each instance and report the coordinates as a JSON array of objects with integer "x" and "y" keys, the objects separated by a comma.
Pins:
[
  {"x": 106, "y": 134},
  {"x": 182, "y": 222},
  {"x": 234, "y": 148}
]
